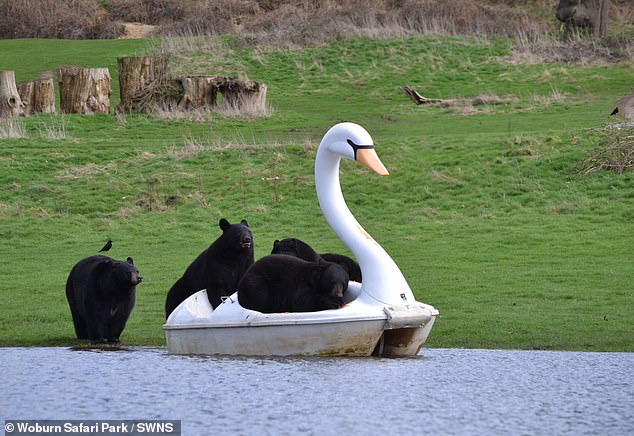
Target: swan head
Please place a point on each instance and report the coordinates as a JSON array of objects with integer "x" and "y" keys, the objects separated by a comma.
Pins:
[{"x": 353, "y": 142}]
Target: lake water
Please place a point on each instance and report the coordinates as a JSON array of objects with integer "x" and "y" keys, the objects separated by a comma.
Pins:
[{"x": 441, "y": 391}]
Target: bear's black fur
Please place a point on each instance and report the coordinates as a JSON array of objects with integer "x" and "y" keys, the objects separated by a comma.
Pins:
[
  {"x": 218, "y": 269},
  {"x": 354, "y": 271},
  {"x": 281, "y": 283},
  {"x": 298, "y": 248},
  {"x": 101, "y": 293}
]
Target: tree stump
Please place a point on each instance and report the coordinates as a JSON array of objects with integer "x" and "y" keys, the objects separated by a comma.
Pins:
[
  {"x": 37, "y": 96},
  {"x": 199, "y": 92},
  {"x": 10, "y": 102},
  {"x": 85, "y": 90},
  {"x": 625, "y": 107},
  {"x": 142, "y": 82},
  {"x": 242, "y": 95}
]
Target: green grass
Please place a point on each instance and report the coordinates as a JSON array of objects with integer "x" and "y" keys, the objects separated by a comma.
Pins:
[{"x": 484, "y": 211}]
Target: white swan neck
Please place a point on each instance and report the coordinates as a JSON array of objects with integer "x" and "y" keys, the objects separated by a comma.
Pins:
[{"x": 382, "y": 279}]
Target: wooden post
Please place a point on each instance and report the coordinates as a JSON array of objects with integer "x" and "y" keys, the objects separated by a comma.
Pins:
[
  {"x": 10, "y": 102},
  {"x": 85, "y": 90},
  {"x": 601, "y": 28},
  {"x": 37, "y": 96},
  {"x": 242, "y": 95},
  {"x": 199, "y": 92},
  {"x": 141, "y": 79}
]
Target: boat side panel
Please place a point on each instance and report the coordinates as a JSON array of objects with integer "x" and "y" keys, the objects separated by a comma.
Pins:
[{"x": 337, "y": 339}]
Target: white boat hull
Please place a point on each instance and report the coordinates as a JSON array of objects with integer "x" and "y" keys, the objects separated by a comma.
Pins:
[{"x": 357, "y": 329}]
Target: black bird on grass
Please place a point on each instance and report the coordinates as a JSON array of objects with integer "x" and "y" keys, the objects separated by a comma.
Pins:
[{"x": 107, "y": 247}]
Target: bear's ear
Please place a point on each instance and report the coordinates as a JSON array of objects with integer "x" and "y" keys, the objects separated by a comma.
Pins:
[
  {"x": 224, "y": 224},
  {"x": 130, "y": 261},
  {"x": 276, "y": 245},
  {"x": 245, "y": 223}
]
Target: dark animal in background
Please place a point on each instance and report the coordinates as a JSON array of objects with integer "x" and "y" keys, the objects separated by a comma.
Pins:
[
  {"x": 218, "y": 269},
  {"x": 101, "y": 293},
  {"x": 298, "y": 248},
  {"x": 586, "y": 16},
  {"x": 106, "y": 247},
  {"x": 281, "y": 283}
]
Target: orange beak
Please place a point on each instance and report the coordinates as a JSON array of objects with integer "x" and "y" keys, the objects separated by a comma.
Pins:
[{"x": 369, "y": 158}]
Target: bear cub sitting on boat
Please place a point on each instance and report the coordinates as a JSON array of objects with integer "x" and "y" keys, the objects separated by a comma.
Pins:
[
  {"x": 281, "y": 283},
  {"x": 101, "y": 293}
]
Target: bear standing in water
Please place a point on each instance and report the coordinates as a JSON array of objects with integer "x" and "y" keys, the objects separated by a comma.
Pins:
[
  {"x": 281, "y": 283},
  {"x": 218, "y": 269},
  {"x": 101, "y": 293}
]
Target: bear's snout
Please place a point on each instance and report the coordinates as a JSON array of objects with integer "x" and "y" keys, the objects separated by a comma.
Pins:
[
  {"x": 246, "y": 242},
  {"x": 136, "y": 279},
  {"x": 337, "y": 290}
]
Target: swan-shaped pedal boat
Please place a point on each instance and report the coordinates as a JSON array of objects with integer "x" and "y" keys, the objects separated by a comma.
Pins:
[{"x": 381, "y": 317}]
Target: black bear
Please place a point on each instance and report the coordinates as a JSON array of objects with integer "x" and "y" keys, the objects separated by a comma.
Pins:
[
  {"x": 281, "y": 283},
  {"x": 101, "y": 293},
  {"x": 218, "y": 269},
  {"x": 298, "y": 248}
]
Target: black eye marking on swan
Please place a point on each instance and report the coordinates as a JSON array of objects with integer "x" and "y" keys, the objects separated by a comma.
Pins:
[{"x": 357, "y": 147}]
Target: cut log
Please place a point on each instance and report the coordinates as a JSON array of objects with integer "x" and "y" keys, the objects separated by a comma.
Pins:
[
  {"x": 85, "y": 90},
  {"x": 419, "y": 99},
  {"x": 142, "y": 82},
  {"x": 242, "y": 95},
  {"x": 10, "y": 102},
  {"x": 199, "y": 92},
  {"x": 37, "y": 96}
]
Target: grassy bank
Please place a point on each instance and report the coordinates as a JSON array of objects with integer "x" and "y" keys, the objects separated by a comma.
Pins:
[{"x": 484, "y": 210}]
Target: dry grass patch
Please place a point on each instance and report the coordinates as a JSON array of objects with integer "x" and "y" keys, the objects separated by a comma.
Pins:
[
  {"x": 194, "y": 146},
  {"x": 470, "y": 106},
  {"x": 128, "y": 212},
  {"x": 246, "y": 109},
  {"x": 4, "y": 209},
  {"x": 146, "y": 155},
  {"x": 614, "y": 152},
  {"x": 84, "y": 172},
  {"x": 12, "y": 128},
  {"x": 194, "y": 52},
  {"x": 69, "y": 19},
  {"x": 522, "y": 147},
  {"x": 548, "y": 48},
  {"x": 444, "y": 178},
  {"x": 54, "y": 128},
  {"x": 190, "y": 149},
  {"x": 199, "y": 198},
  {"x": 171, "y": 112}
]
